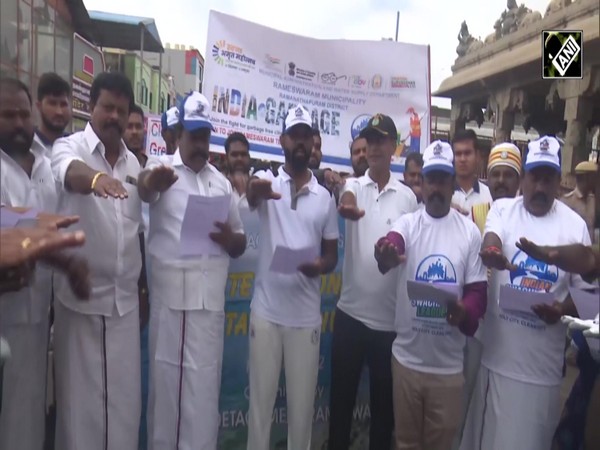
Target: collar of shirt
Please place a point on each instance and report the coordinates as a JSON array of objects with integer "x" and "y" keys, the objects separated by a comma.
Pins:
[
  {"x": 94, "y": 142},
  {"x": 392, "y": 185},
  {"x": 312, "y": 184},
  {"x": 178, "y": 162},
  {"x": 475, "y": 187}
]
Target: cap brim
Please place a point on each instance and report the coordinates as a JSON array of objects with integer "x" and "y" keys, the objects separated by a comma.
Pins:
[
  {"x": 438, "y": 168},
  {"x": 534, "y": 165},
  {"x": 297, "y": 125},
  {"x": 193, "y": 125}
]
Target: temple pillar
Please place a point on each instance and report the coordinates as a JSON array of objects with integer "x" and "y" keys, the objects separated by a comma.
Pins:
[
  {"x": 505, "y": 122},
  {"x": 457, "y": 121}
]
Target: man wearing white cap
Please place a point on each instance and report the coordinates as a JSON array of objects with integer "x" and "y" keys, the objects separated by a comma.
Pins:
[
  {"x": 168, "y": 121},
  {"x": 295, "y": 212},
  {"x": 187, "y": 312},
  {"x": 436, "y": 244},
  {"x": 516, "y": 403}
]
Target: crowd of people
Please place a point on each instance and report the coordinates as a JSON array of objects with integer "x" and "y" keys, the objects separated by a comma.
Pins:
[{"x": 104, "y": 222}]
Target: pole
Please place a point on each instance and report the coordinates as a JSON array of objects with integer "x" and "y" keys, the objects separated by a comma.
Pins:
[
  {"x": 397, "y": 24},
  {"x": 160, "y": 80},
  {"x": 141, "y": 94}
]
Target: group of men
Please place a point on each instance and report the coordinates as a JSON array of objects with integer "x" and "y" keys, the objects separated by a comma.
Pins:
[{"x": 433, "y": 369}]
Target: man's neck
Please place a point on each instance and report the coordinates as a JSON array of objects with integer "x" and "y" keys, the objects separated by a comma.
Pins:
[
  {"x": 381, "y": 177},
  {"x": 466, "y": 183},
  {"x": 300, "y": 178},
  {"x": 196, "y": 164},
  {"x": 49, "y": 135}
]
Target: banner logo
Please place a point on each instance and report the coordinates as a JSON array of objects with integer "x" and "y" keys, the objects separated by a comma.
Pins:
[
  {"x": 377, "y": 81},
  {"x": 357, "y": 81},
  {"x": 232, "y": 56},
  {"x": 402, "y": 83},
  {"x": 358, "y": 124},
  {"x": 331, "y": 78},
  {"x": 562, "y": 54}
]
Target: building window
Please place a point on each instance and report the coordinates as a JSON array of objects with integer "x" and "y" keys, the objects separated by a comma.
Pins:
[
  {"x": 44, "y": 37},
  {"x": 151, "y": 104},
  {"x": 143, "y": 93},
  {"x": 9, "y": 28}
]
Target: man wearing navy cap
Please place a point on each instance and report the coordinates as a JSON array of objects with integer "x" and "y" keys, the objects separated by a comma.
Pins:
[
  {"x": 516, "y": 402},
  {"x": 285, "y": 322},
  {"x": 187, "y": 311},
  {"x": 436, "y": 244},
  {"x": 168, "y": 122}
]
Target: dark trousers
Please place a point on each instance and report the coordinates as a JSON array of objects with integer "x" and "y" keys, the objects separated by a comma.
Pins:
[{"x": 354, "y": 344}]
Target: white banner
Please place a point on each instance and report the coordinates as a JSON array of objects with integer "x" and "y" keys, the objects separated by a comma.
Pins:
[
  {"x": 155, "y": 144},
  {"x": 254, "y": 74}
]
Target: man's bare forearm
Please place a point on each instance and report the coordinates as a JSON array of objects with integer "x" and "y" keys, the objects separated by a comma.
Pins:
[{"x": 79, "y": 178}]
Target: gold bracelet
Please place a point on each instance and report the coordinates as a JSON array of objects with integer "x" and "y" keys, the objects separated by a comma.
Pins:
[{"x": 95, "y": 179}]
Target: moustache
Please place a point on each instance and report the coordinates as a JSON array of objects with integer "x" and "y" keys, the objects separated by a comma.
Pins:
[
  {"x": 539, "y": 197},
  {"x": 18, "y": 133},
  {"x": 114, "y": 125},
  {"x": 436, "y": 197}
]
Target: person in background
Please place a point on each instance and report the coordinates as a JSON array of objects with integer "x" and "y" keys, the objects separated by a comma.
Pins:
[
  {"x": 358, "y": 157},
  {"x": 582, "y": 199},
  {"x": 54, "y": 106},
  {"x": 316, "y": 154},
  {"x": 413, "y": 177},
  {"x": 97, "y": 344},
  {"x": 237, "y": 152},
  {"x": 134, "y": 134},
  {"x": 516, "y": 401},
  {"x": 364, "y": 331},
  {"x": 168, "y": 121},
  {"x": 469, "y": 191},
  {"x": 435, "y": 244},
  {"x": 188, "y": 293},
  {"x": 294, "y": 212}
]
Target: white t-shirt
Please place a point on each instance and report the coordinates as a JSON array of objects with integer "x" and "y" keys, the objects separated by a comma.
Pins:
[
  {"x": 291, "y": 300},
  {"x": 478, "y": 194},
  {"x": 367, "y": 295},
  {"x": 520, "y": 345},
  {"x": 444, "y": 250}
]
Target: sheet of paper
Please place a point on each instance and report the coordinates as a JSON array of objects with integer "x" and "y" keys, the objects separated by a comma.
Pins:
[
  {"x": 517, "y": 300},
  {"x": 198, "y": 222},
  {"x": 440, "y": 293},
  {"x": 587, "y": 303},
  {"x": 10, "y": 218},
  {"x": 287, "y": 260}
]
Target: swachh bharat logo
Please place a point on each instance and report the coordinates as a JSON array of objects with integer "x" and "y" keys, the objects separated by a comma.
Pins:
[{"x": 216, "y": 51}]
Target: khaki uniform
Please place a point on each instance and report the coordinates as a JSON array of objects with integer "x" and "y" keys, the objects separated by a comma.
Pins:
[{"x": 585, "y": 207}]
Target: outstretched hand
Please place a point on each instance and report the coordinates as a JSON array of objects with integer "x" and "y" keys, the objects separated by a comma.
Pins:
[
  {"x": 161, "y": 178},
  {"x": 495, "y": 259},
  {"x": 541, "y": 253},
  {"x": 263, "y": 189},
  {"x": 351, "y": 212}
]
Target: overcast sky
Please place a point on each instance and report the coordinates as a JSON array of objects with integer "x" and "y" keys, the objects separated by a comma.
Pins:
[{"x": 433, "y": 22}]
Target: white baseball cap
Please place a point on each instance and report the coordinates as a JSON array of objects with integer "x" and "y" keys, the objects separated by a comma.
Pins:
[
  {"x": 298, "y": 115},
  {"x": 438, "y": 156},
  {"x": 193, "y": 112},
  {"x": 544, "y": 151},
  {"x": 170, "y": 118}
]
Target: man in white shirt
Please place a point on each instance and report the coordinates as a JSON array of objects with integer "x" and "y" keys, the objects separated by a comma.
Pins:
[
  {"x": 237, "y": 152},
  {"x": 188, "y": 290},
  {"x": 168, "y": 122},
  {"x": 97, "y": 344},
  {"x": 285, "y": 321},
  {"x": 436, "y": 245},
  {"x": 516, "y": 403},
  {"x": 364, "y": 331},
  {"x": 358, "y": 156}
]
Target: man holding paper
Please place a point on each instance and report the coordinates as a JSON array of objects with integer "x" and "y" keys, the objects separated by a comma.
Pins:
[
  {"x": 437, "y": 245},
  {"x": 298, "y": 218},
  {"x": 364, "y": 331},
  {"x": 518, "y": 387},
  {"x": 195, "y": 228}
]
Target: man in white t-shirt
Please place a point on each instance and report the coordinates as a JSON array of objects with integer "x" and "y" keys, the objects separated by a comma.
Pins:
[
  {"x": 295, "y": 212},
  {"x": 516, "y": 403},
  {"x": 436, "y": 245},
  {"x": 188, "y": 289},
  {"x": 364, "y": 331}
]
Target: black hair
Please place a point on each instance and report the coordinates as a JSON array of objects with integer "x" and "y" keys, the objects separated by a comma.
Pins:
[
  {"x": 136, "y": 109},
  {"x": 415, "y": 157},
  {"x": 15, "y": 85},
  {"x": 236, "y": 137},
  {"x": 52, "y": 84},
  {"x": 115, "y": 82},
  {"x": 465, "y": 135}
]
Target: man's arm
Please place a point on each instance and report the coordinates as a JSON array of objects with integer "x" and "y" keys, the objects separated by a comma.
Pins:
[
  {"x": 329, "y": 255},
  {"x": 251, "y": 194}
]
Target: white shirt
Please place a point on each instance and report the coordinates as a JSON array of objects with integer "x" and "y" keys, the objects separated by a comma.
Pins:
[
  {"x": 478, "y": 194},
  {"x": 520, "y": 345},
  {"x": 292, "y": 300},
  {"x": 444, "y": 250},
  {"x": 367, "y": 295},
  {"x": 240, "y": 200},
  {"x": 194, "y": 282},
  {"x": 111, "y": 227},
  {"x": 30, "y": 304}
]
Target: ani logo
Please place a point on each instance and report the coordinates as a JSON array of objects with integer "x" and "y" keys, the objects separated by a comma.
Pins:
[
  {"x": 216, "y": 51},
  {"x": 531, "y": 274}
]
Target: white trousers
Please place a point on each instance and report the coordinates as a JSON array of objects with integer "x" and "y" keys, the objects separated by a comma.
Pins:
[
  {"x": 23, "y": 417},
  {"x": 98, "y": 380},
  {"x": 186, "y": 357},
  {"x": 506, "y": 414},
  {"x": 299, "y": 348}
]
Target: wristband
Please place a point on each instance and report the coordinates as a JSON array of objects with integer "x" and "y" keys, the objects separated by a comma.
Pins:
[
  {"x": 494, "y": 249},
  {"x": 95, "y": 179}
]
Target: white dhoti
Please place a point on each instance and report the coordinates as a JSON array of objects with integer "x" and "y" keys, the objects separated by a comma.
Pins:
[
  {"x": 98, "y": 380},
  {"x": 506, "y": 414},
  {"x": 299, "y": 349},
  {"x": 23, "y": 417},
  {"x": 186, "y": 353}
]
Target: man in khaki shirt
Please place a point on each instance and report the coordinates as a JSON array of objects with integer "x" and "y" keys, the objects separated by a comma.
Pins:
[{"x": 582, "y": 199}]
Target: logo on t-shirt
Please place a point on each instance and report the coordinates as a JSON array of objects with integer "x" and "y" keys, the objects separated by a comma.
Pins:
[
  {"x": 531, "y": 274},
  {"x": 433, "y": 269}
]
